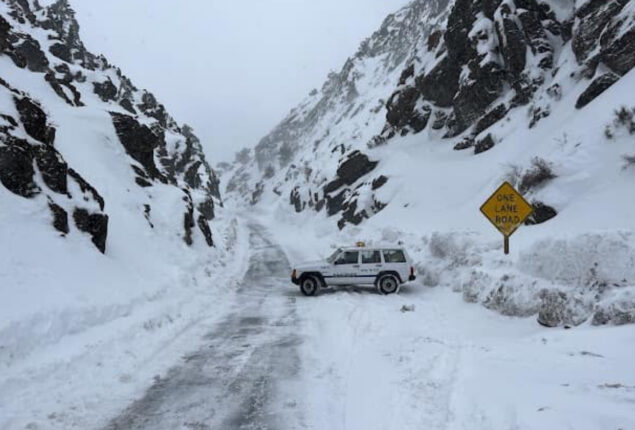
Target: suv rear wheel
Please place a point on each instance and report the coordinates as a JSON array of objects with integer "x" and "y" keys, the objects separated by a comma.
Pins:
[
  {"x": 309, "y": 285},
  {"x": 387, "y": 284}
]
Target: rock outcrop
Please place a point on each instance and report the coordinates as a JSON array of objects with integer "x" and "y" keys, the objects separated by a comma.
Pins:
[{"x": 160, "y": 151}]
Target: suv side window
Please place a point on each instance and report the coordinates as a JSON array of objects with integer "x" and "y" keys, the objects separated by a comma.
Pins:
[
  {"x": 348, "y": 257},
  {"x": 371, "y": 257},
  {"x": 394, "y": 256}
]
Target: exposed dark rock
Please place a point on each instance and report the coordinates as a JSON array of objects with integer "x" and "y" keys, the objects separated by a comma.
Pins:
[
  {"x": 61, "y": 51},
  {"x": 513, "y": 47},
  {"x": 139, "y": 141},
  {"x": 490, "y": 118},
  {"x": 207, "y": 232},
  {"x": 296, "y": 200},
  {"x": 440, "y": 120},
  {"x": 484, "y": 86},
  {"x": 53, "y": 168},
  {"x": 60, "y": 218},
  {"x": 192, "y": 178},
  {"x": 593, "y": 17},
  {"x": 379, "y": 182},
  {"x": 127, "y": 105},
  {"x": 94, "y": 224},
  {"x": 537, "y": 113},
  {"x": 34, "y": 120},
  {"x": 106, "y": 90},
  {"x": 351, "y": 216},
  {"x": 408, "y": 73},
  {"x": 151, "y": 107},
  {"x": 441, "y": 84},
  {"x": 147, "y": 213},
  {"x": 335, "y": 204},
  {"x": 542, "y": 213},
  {"x": 403, "y": 112},
  {"x": 354, "y": 167},
  {"x": 335, "y": 184},
  {"x": 57, "y": 85},
  {"x": 618, "y": 51},
  {"x": 207, "y": 209},
  {"x": 484, "y": 144},
  {"x": 143, "y": 183},
  {"x": 34, "y": 58},
  {"x": 87, "y": 188},
  {"x": 467, "y": 142},
  {"x": 16, "y": 167},
  {"x": 188, "y": 220},
  {"x": 597, "y": 87}
]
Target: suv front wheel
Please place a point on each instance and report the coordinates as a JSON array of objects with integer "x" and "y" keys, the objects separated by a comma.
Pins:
[
  {"x": 387, "y": 284},
  {"x": 309, "y": 285}
]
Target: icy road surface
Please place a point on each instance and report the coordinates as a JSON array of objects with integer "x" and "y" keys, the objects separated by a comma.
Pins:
[
  {"x": 233, "y": 381},
  {"x": 351, "y": 359}
]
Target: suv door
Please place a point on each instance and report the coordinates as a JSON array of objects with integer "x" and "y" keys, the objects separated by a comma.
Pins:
[
  {"x": 371, "y": 265},
  {"x": 345, "y": 268}
]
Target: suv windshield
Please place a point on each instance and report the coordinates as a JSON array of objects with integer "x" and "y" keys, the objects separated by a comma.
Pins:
[{"x": 333, "y": 256}]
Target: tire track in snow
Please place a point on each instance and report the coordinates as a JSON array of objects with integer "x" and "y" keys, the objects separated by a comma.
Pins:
[{"x": 233, "y": 381}]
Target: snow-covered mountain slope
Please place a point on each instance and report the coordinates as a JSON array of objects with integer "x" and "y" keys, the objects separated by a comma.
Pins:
[
  {"x": 439, "y": 107},
  {"x": 87, "y": 156}
]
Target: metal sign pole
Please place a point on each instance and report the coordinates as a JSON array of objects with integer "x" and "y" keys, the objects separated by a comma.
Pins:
[{"x": 506, "y": 245}]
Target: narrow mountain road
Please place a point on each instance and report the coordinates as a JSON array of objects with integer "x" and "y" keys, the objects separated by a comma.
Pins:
[
  {"x": 352, "y": 359},
  {"x": 235, "y": 380}
]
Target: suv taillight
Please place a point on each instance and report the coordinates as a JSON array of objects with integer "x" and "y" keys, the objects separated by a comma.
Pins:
[
  {"x": 412, "y": 271},
  {"x": 294, "y": 273}
]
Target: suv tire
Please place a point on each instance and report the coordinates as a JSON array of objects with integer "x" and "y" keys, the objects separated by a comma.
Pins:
[
  {"x": 387, "y": 284},
  {"x": 309, "y": 285}
]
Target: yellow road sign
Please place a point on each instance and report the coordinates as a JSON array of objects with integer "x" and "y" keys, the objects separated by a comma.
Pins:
[{"x": 507, "y": 209}]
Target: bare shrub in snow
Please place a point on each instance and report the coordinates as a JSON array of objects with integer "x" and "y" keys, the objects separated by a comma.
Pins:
[
  {"x": 624, "y": 122},
  {"x": 513, "y": 297},
  {"x": 617, "y": 309},
  {"x": 538, "y": 174},
  {"x": 625, "y": 118},
  {"x": 629, "y": 160},
  {"x": 559, "y": 308}
]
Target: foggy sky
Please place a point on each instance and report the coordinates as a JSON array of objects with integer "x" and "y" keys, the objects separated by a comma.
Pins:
[{"x": 231, "y": 69}]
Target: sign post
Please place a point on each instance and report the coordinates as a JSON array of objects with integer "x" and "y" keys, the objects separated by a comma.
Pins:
[{"x": 507, "y": 210}]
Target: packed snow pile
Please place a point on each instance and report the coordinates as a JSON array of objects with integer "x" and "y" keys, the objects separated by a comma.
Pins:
[{"x": 443, "y": 103}]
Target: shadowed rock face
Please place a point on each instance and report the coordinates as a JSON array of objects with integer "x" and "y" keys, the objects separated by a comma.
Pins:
[
  {"x": 95, "y": 224},
  {"x": 484, "y": 50},
  {"x": 16, "y": 167},
  {"x": 595, "y": 88},
  {"x": 30, "y": 164}
]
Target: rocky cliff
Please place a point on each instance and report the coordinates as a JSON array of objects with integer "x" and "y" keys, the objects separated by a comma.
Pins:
[
  {"x": 468, "y": 75},
  {"x": 47, "y": 74}
]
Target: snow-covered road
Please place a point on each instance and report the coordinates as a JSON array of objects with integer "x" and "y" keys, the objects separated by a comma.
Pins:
[
  {"x": 234, "y": 380},
  {"x": 351, "y": 359}
]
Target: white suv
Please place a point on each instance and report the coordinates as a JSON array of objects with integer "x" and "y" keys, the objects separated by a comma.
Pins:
[{"x": 385, "y": 268}]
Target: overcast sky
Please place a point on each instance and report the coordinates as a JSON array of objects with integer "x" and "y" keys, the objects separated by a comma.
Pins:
[{"x": 231, "y": 69}]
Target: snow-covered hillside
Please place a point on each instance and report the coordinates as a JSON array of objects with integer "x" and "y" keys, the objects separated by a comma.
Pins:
[
  {"x": 109, "y": 210},
  {"x": 439, "y": 107}
]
